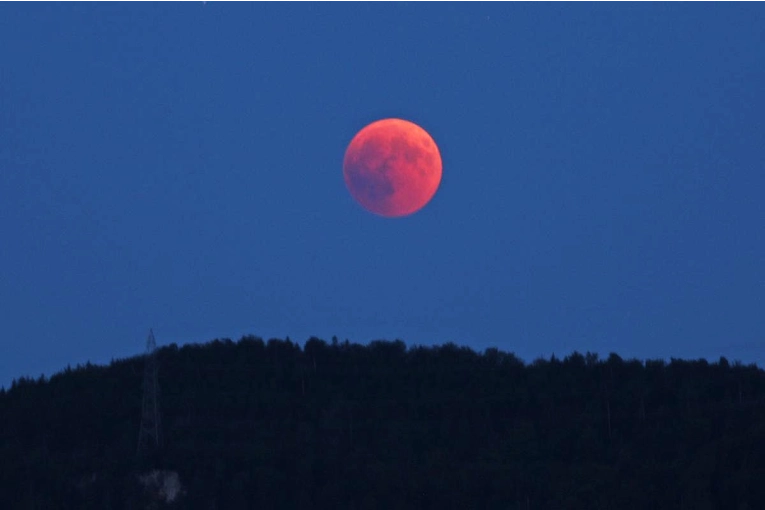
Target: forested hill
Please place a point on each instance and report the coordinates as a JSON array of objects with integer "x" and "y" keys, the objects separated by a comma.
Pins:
[{"x": 251, "y": 424}]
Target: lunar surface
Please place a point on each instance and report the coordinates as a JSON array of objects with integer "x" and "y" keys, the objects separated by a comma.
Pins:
[{"x": 392, "y": 168}]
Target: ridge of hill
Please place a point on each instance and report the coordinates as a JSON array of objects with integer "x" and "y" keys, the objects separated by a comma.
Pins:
[{"x": 255, "y": 424}]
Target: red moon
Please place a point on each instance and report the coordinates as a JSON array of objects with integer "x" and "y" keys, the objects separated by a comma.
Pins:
[{"x": 392, "y": 167}]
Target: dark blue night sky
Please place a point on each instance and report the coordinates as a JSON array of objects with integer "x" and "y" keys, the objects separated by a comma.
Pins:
[{"x": 179, "y": 166}]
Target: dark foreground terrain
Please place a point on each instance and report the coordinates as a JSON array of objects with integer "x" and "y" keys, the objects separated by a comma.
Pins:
[{"x": 260, "y": 425}]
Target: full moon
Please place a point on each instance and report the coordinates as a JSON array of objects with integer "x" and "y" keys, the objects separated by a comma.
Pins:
[{"x": 392, "y": 167}]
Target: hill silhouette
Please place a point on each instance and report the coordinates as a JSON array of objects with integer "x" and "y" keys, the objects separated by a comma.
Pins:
[{"x": 271, "y": 425}]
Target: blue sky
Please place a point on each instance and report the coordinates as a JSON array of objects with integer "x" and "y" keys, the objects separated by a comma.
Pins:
[{"x": 179, "y": 166}]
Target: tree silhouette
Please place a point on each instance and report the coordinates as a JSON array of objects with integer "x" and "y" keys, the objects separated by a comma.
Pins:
[{"x": 272, "y": 425}]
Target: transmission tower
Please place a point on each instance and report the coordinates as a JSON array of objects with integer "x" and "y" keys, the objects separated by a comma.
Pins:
[{"x": 149, "y": 437}]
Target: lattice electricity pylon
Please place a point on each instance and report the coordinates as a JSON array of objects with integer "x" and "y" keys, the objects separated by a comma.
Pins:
[{"x": 150, "y": 437}]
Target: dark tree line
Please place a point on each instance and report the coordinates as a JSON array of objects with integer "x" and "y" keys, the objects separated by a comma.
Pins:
[{"x": 271, "y": 425}]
